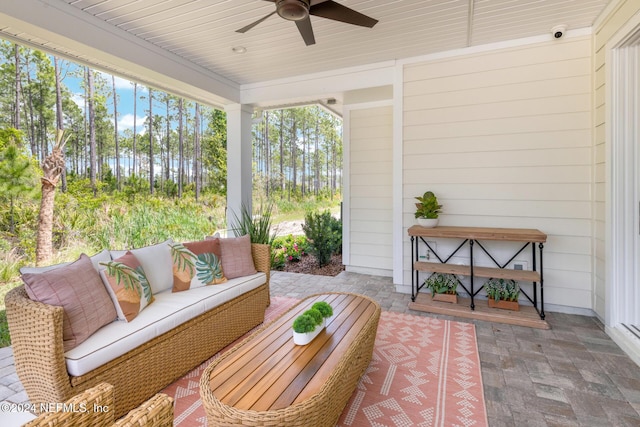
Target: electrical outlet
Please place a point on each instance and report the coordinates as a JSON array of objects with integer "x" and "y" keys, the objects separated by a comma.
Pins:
[{"x": 520, "y": 265}]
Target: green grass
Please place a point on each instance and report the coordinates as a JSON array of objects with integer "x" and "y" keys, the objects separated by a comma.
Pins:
[
  {"x": 5, "y": 339},
  {"x": 286, "y": 211}
]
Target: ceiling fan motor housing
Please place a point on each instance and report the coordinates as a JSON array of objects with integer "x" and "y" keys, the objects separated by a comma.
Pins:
[{"x": 293, "y": 10}]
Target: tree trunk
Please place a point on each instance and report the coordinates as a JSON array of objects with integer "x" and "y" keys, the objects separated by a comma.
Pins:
[
  {"x": 267, "y": 155},
  {"x": 85, "y": 135},
  {"x": 167, "y": 172},
  {"x": 180, "y": 147},
  {"x": 115, "y": 128},
  {"x": 32, "y": 121},
  {"x": 316, "y": 163},
  {"x": 44, "y": 240},
  {"x": 52, "y": 168},
  {"x": 135, "y": 131},
  {"x": 304, "y": 156},
  {"x": 16, "y": 114},
  {"x": 59, "y": 114},
  {"x": 151, "y": 177},
  {"x": 12, "y": 222},
  {"x": 281, "y": 153},
  {"x": 294, "y": 152},
  {"x": 196, "y": 152},
  {"x": 92, "y": 134}
]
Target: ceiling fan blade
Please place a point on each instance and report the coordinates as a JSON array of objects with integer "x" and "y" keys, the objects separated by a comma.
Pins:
[
  {"x": 331, "y": 10},
  {"x": 306, "y": 31},
  {"x": 250, "y": 26}
]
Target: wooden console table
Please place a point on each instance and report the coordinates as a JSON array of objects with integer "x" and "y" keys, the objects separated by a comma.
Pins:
[{"x": 471, "y": 237}]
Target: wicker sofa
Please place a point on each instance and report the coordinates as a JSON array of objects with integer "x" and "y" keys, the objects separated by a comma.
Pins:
[{"x": 36, "y": 331}]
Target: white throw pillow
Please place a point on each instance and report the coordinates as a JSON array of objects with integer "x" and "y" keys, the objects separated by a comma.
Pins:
[{"x": 157, "y": 264}]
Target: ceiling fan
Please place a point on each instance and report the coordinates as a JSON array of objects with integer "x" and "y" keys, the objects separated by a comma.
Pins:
[{"x": 299, "y": 11}]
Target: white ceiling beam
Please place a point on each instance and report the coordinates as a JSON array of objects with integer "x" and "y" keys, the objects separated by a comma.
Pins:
[{"x": 312, "y": 86}]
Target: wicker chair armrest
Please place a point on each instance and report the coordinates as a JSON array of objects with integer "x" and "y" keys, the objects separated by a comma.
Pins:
[
  {"x": 156, "y": 412},
  {"x": 262, "y": 258},
  {"x": 37, "y": 342},
  {"x": 93, "y": 407}
]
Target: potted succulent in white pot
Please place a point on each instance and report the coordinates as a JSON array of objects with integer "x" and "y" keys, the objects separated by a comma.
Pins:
[
  {"x": 310, "y": 323},
  {"x": 427, "y": 209}
]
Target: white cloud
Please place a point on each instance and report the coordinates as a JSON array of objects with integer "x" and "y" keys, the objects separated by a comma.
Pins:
[
  {"x": 78, "y": 98},
  {"x": 126, "y": 122},
  {"x": 123, "y": 83}
]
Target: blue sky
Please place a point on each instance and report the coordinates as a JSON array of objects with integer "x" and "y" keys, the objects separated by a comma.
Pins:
[{"x": 124, "y": 89}]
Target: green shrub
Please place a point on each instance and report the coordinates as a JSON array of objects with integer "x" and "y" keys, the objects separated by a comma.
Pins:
[
  {"x": 336, "y": 233},
  {"x": 277, "y": 260},
  {"x": 324, "y": 239},
  {"x": 293, "y": 248}
]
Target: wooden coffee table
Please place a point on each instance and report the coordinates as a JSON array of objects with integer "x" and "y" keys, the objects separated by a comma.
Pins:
[{"x": 268, "y": 380}]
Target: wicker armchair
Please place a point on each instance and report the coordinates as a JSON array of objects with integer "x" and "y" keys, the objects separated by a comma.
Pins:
[{"x": 94, "y": 407}]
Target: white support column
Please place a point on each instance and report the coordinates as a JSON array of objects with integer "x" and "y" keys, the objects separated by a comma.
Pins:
[
  {"x": 239, "y": 160},
  {"x": 399, "y": 233}
]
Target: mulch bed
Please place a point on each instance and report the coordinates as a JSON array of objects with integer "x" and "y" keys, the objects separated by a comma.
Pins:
[{"x": 309, "y": 265}]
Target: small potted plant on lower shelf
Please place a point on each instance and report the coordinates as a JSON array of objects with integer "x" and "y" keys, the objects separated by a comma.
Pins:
[
  {"x": 310, "y": 323},
  {"x": 503, "y": 293},
  {"x": 443, "y": 287}
]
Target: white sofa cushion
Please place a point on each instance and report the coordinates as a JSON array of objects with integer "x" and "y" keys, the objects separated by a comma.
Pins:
[{"x": 169, "y": 310}]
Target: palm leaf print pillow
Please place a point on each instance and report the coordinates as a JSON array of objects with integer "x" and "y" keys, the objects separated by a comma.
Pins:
[
  {"x": 195, "y": 265},
  {"x": 128, "y": 286}
]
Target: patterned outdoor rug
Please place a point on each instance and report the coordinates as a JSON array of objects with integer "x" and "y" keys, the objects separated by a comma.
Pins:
[{"x": 424, "y": 372}]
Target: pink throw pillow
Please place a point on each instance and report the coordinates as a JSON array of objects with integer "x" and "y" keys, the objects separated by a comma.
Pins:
[
  {"x": 78, "y": 289},
  {"x": 237, "y": 260}
]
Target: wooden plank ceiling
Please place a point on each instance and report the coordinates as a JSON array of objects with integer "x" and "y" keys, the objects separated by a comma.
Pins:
[{"x": 203, "y": 31}]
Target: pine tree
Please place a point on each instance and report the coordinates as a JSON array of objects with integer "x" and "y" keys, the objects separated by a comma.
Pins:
[{"x": 17, "y": 176}]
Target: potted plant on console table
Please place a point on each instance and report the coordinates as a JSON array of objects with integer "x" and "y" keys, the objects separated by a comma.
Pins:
[
  {"x": 427, "y": 209},
  {"x": 503, "y": 293},
  {"x": 310, "y": 323},
  {"x": 443, "y": 287}
]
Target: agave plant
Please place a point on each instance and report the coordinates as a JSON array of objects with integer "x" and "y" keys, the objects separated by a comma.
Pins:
[{"x": 257, "y": 226}]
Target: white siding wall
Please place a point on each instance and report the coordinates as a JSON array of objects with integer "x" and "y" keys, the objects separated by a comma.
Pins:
[
  {"x": 609, "y": 26},
  {"x": 504, "y": 139},
  {"x": 370, "y": 196}
]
